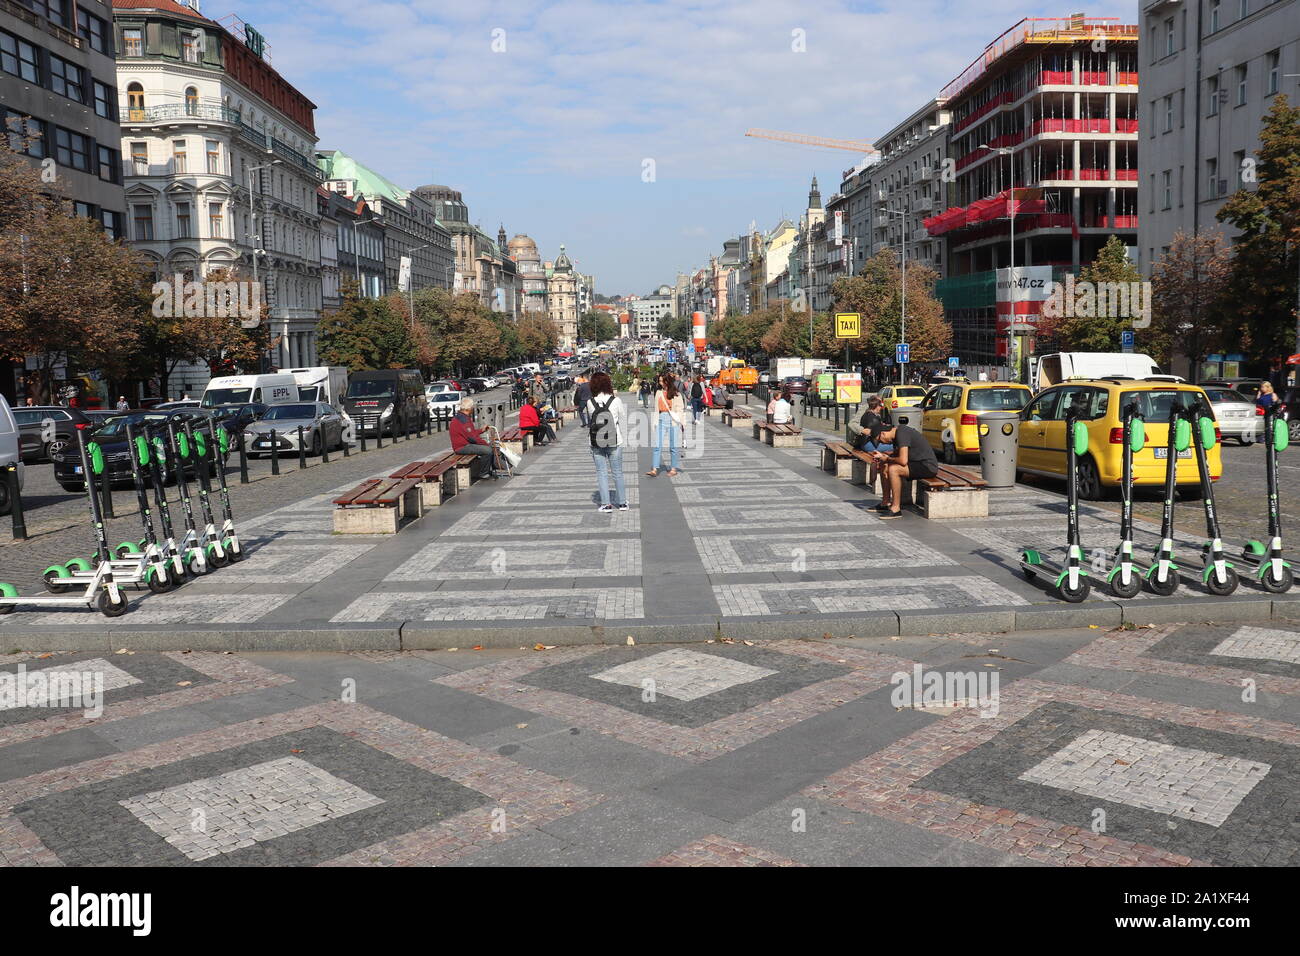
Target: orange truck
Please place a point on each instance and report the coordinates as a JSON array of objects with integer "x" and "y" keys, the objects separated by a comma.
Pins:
[{"x": 740, "y": 377}]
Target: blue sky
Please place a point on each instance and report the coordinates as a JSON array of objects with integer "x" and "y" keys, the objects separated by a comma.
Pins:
[{"x": 543, "y": 113}]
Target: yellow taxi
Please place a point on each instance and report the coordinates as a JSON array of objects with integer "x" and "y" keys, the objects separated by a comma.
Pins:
[
  {"x": 950, "y": 413},
  {"x": 1100, "y": 403},
  {"x": 902, "y": 396}
]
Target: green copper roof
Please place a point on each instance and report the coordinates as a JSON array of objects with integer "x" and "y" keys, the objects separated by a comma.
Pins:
[{"x": 338, "y": 165}]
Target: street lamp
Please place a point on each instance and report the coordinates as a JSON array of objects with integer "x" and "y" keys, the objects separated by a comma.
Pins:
[
  {"x": 410, "y": 278},
  {"x": 902, "y": 332},
  {"x": 255, "y": 236},
  {"x": 356, "y": 247},
  {"x": 1011, "y": 214}
]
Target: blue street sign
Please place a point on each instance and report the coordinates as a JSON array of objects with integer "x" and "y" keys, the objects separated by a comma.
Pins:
[
  {"x": 1126, "y": 340},
  {"x": 902, "y": 353},
  {"x": 672, "y": 355},
  {"x": 954, "y": 361}
]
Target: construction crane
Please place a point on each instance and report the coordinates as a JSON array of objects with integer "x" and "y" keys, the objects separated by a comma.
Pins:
[{"x": 853, "y": 145}]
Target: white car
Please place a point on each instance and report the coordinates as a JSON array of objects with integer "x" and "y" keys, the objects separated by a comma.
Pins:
[
  {"x": 1235, "y": 414},
  {"x": 444, "y": 404}
]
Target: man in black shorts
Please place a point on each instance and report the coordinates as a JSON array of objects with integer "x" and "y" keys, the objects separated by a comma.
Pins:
[{"x": 912, "y": 458}]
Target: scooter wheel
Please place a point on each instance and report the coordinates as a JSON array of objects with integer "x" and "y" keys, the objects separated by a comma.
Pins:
[
  {"x": 55, "y": 582},
  {"x": 1076, "y": 594},
  {"x": 233, "y": 550},
  {"x": 174, "y": 577},
  {"x": 110, "y": 608},
  {"x": 1132, "y": 589},
  {"x": 1221, "y": 588},
  {"x": 158, "y": 579},
  {"x": 78, "y": 564},
  {"x": 194, "y": 564},
  {"x": 215, "y": 559},
  {"x": 125, "y": 550},
  {"x": 1279, "y": 584},
  {"x": 1163, "y": 588}
]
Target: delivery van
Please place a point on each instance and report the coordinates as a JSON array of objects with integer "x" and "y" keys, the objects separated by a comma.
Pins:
[
  {"x": 326, "y": 384},
  {"x": 277, "y": 389}
]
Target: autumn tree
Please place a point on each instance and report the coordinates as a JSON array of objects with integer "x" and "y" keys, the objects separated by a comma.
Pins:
[
  {"x": 597, "y": 326},
  {"x": 366, "y": 334},
  {"x": 67, "y": 292},
  {"x": 876, "y": 293},
  {"x": 538, "y": 336},
  {"x": 1266, "y": 261},
  {"x": 1098, "y": 318},
  {"x": 1189, "y": 309}
]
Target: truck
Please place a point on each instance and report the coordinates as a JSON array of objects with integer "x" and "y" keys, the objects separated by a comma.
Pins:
[
  {"x": 782, "y": 368},
  {"x": 322, "y": 383},
  {"x": 737, "y": 377},
  {"x": 275, "y": 389},
  {"x": 714, "y": 364},
  {"x": 1045, "y": 370}
]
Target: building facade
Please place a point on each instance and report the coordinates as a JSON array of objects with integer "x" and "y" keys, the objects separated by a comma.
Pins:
[
  {"x": 531, "y": 275},
  {"x": 908, "y": 186},
  {"x": 482, "y": 265},
  {"x": 217, "y": 151},
  {"x": 647, "y": 311},
  {"x": 562, "y": 298}
]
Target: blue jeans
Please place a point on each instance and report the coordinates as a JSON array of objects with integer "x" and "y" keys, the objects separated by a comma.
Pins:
[
  {"x": 669, "y": 433},
  {"x": 881, "y": 446},
  {"x": 609, "y": 461}
]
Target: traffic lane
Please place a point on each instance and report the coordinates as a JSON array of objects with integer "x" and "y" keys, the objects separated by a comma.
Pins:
[{"x": 46, "y": 502}]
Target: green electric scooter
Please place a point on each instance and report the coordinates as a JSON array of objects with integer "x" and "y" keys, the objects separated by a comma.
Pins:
[
  {"x": 175, "y": 558},
  {"x": 1071, "y": 578},
  {"x": 219, "y": 445},
  {"x": 178, "y": 453},
  {"x": 1219, "y": 576},
  {"x": 1125, "y": 578},
  {"x": 1275, "y": 575},
  {"x": 1162, "y": 575},
  {"x": 213, "y": 549},
  {"x": 101, "y": 588}
]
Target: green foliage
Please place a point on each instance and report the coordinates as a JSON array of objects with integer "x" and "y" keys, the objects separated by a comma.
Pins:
[
  {"x": 597, "y": 326},
  {"x": 366, "y": 334},
  {"x": 1100, "y": 333}
]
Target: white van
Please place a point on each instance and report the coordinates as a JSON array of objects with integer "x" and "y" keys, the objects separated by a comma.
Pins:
[
  {"x": 326, "y": 384},
  {"x": 530, "y": 368},
  {"x": 10, "y": 454},
  {"x": 1045, "y": 370},
  {"x": 279, "y": 389}
]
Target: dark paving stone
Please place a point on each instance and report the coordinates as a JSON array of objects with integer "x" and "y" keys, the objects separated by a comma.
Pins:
[
  {"x": 1191, "y": 644},
  {"x": 450, "y": 712},
  {"x": 45, "y": 753}
]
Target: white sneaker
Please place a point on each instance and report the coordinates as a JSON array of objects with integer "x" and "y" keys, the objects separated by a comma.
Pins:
[
  {"x": 605, "y": 509},
  {"x": 623, "y": 507}
]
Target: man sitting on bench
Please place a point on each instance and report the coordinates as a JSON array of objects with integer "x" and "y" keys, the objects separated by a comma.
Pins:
[
  {"x": 912, "y": 458},
  {"x": 530, "y": 422},
  {"x": 468, "y": 440}
]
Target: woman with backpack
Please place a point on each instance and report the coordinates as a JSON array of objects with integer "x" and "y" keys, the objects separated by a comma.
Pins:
[
  {"x": 697, "y": 400},
  {"x": 606, "y": 415},
  {"x": 670, "y": 412}
]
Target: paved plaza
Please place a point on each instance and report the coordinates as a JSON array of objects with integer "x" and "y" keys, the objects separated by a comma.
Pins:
[{"x": 748, "y": 541}]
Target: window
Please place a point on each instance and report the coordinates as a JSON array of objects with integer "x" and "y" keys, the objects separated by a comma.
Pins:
[
  {"x": 190, "y": 48},
  {"x": 191, "y": 101},
  {"x": 1214, "y": 15},
  {"x": 65, "y": 79},
  {"x": 143, "y": 216},
  {"x": 214, "y": 156},
  {"x": 140, "y": 158},
  {"x": 1273, "y": 61},
  {"x": 135, "y": 102},
  {"x": 83, "y": 210},
  {"x": 108, "y": 163},
  {"x": 72, "y": 149},
  {"x": 1212, "y": 178},
  {"x": 104, "y": 97},
  {"x": 1241, "y": 84},
  {"x": 1169, "y": 113},
  {"x": 1239, "y": 161},
  {"x": 112, "y": 223},
  {"x": 56, "y": 11},
  {"x": 1212, "y": 94},
  {"x": 179, "y": 164},
  {"x": 216, "y": 221},
  {"x": 1243, "y": 9},
  {"x": 184, "y": 229},
  {"x": 25, "y": 134},
  {"x": 1169, "y": 37},
  {"x": 1167, "y": 188},
  {"x": 94, "y": 31},
  {"x": 18, "y": 58},
  {"x": 132, "y": 42}
]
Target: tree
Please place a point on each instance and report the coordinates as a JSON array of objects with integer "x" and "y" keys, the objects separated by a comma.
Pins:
[
  {"x": 597, "y": 326},
  {"x": 538, "y": 336},
  {"x": 1189, "y": 311},
  {"x": 876, "y": 294},
  {"x": 68, "y": 294},
  {"x": 677, "y": 328},
  {"x": 1096, "y": 326},
  {"x": 1266, "y": 261},
  {"x": 366, "y": 334}
]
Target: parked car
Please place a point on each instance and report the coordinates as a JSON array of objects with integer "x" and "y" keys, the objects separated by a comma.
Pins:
[
  {"x": 1235, "y": 414},
  {"x": 1246, "y": 386},
  {"x": 950, "y": 414},
  {"x": 388, "y": 399},
  {"x": 902, "y": 396},
  {"x": 321, "y": 424},
  {"x": 482, "y": 384},
  {"x": 236, "y": 419},
  {"x": 10, "y": 453},
  {"x": 444, "y": 404},
  {"x": 182, "y": 403},
  {"x": 44, "y": 429},
  {"x": 111, "y": 438},
  {"x": 1289, "y": 408}
]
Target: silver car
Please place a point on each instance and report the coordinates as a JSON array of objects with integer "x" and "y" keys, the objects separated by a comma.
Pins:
[
  {"x": 1235, "y": 414},
  {"x": 321, "y": 424}
]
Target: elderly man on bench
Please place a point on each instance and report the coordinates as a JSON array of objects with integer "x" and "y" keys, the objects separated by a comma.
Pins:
[
  {"x": 468, "y": 440},
  {"x": 912, "y": 458}
]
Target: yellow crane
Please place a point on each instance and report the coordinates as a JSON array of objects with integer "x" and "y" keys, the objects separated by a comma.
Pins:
[{"x": 853, "y": 145}]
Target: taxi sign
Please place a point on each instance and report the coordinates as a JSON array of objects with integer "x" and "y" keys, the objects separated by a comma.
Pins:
[
  {"x": 848, "y": 325},
  {"x": 848, "y": 388}
]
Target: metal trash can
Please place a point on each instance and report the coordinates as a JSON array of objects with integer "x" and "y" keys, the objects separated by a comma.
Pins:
[
  {"x": 999, "y": 444},
  {"x": 905, "y": 416}
]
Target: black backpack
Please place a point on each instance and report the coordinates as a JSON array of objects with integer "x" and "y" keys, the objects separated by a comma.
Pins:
[{"x": 602, "y": 427}]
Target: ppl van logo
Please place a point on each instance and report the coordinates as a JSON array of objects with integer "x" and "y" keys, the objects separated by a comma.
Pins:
[{"x": 177, "y": 298}]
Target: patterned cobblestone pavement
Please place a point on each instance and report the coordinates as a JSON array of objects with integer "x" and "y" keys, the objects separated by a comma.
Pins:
[{"x": 1175, "y": 746}]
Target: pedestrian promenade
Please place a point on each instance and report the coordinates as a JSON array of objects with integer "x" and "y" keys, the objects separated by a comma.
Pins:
[{"x": 748, "y": 542}]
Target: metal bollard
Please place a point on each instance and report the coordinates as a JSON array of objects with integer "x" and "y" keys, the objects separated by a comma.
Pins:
[
  {"x": 324, "y": 448},
  {"x": 302, "y": 450},
  {"x": 105, "y": 494},
  {"x": 347, "y": 446},
  {"x": 837, "y": 417},
  {"x": 379, "y": 435},
  {"x": 243, "y": 460},
  {"x": 16, "y": 502},
  {"x": 275, "y": 453},
  {"x": 361, "y": 432}
]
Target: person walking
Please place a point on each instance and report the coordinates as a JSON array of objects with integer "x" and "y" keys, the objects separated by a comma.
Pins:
[
  {"x": 122, "y": 404},
  {"x": 697, "y": 401},
  {"x": 606, "y": 414},
  {"x": 581, "y": 396},
  {"x": 670, "y": 412}
]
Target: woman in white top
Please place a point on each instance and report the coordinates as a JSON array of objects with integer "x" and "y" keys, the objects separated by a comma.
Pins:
[
  {"x": 670, "y": 411},
  {"x": 608, "y": 435},
  {"x": 782, "y": 410}
]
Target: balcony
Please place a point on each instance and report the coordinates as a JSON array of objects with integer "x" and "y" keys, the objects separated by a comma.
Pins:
[{"x": 177, "y": 112}]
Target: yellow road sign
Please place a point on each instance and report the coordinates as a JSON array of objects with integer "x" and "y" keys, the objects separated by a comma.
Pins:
[
  {"x": 848, "y": 325},
  {"x": 848, "y": 388}
]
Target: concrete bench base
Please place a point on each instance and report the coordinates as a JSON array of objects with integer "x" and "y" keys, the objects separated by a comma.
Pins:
[
  {"x": 734, "y": 421},
  {"x": 433, "y": 493},
  {"x": 972, "y": 503},
  {"x": 464, "y": 477},
  {"x": 381, "y": 520},
  {"x": 841, "y": 465},
  {"x": 784, "y": 441},
  {"x": 518, "y": 447}
]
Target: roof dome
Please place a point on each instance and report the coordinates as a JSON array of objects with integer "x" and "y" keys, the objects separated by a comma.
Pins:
[
  {"x": 522, "y": 246},
  {"x": 562, "y": 262}
]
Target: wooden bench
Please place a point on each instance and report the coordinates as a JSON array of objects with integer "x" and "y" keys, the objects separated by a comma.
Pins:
[
  {"x": 778, "y": 436},
  {"x": 437, "y": 478},
  {"x": 953, "y": 493},
  {"x": 567, "y": 415},
  {"x": 378, "y": 506},
  {"x": 736, "y": 418},
  {"x": 516, "y": 439}
]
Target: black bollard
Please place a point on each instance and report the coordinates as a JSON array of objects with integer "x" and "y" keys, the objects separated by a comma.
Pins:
[
  {"x": 275, "y": 453},
  {"x": 302, "y": 450},
  {"x": 243, "y": 460},
  {"x": 324, "y": 448},
  {"x": 379, "y": 435},
  {"x": 347, "y": 446},
  {"x": 16, "y": 502},
  {"x": 105, "y": 494}
]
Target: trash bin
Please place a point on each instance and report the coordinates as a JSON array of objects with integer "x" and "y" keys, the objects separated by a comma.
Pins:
[
  {"x": 999, "y": 443},
  {"x": 905, "y": 416}
]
